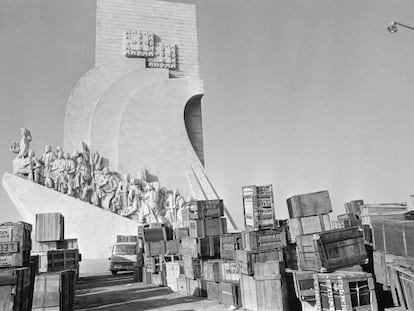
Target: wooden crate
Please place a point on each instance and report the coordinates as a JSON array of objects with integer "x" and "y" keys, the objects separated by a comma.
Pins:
[
  {"x": 263, "y": 239},
  {"x": 212, "y": 270},
  {"x": 153, "y": 264},
  {"x": 378, "y": 212},
  {"x": 247, "y": 259},
  {"x": 208, "y": 227},
  {"x": 290, "y": 255},
  {"x": 15, "y": 244},
  {"x": 331, "y": 250},
  {"x": 159, "y": 279},
  {"x": 190, "y": 287},
  {"x": 58, "y": 260},
  {"x": 310, "y": 204},
  {"x": 153, "y": 234},
  {"x": 146, "y": 276},
  {"x": 174, "y": 269},
  {"x": 264, "y": 292},
  {"x": 354, "y": 207},
  {"x": 51, "y": 245},
  {"x": 308, "y": 225},
  {"x": 127, "y": 238},
  {"x": 200, "y": 247},
  {"x": 49, "y": 227},
  {"x": 345, "y": 291},
  {"x": 229, "y": 243},
  {"x": 258, "y": 207},
  {"x": 137, "y": 274},
  {"x": 394, "y": 237},
  {"x": 154, "y": 248},
  {"x": 16, "y": 288},
  {"x": 15, "y": 258},
  {"x": 55, "y": 290},
  {"x": 172, "y": 247},
  {"x": 402, "y": 285},
  {"x": 181, "y": 232},
  {"x": 304, "y": 285},
  {"x": 207, "y": 209},
  {"x": 229, "y": 271},
  {"x": 213, "y": 291},
  {"x": 230, "y": 293},
  {"x": 193, "y": 268}
]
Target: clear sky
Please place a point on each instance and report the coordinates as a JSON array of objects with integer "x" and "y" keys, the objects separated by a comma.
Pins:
[{"x": 303, "y": 94}]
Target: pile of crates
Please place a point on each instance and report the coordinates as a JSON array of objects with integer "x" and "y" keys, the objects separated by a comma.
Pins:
[
  {"x": 16, "y": 270},
  {"x": 57, "y": 261}
]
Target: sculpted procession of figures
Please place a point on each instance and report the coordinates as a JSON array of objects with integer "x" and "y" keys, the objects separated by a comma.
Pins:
[{"x": 82, "y": 175}]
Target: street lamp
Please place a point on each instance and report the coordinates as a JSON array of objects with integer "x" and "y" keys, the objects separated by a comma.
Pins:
[{"x": 392, "y": 28}]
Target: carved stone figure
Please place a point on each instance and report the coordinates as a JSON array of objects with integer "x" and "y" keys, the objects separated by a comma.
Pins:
[
  {"x": 150, "y": 208},
  {"x": 121, "y": 195},
  {"x": 24, "y": 143},
  {"x": 34, "y": 167},
  {"x": 57, "y": 171},
  {"x": 82, "y": 179},
  {"x": 106, "y": 186},
  {"x": 48, "y": 158}
]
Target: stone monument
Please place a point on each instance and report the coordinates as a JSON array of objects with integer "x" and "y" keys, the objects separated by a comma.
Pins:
[{"x": 140, "y": 108}]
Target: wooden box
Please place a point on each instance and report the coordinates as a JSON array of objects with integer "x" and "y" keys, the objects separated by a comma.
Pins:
[
  {"x": 15, "y": 244},
  {"x": 258, "y": 207},
  {"x": 345, "y": 291},
  {"x": 193, "y": 268},
  {"x": 172, "y": 247},
  {"x": 213, "y": 291},
  {"x": 127, "y": 238},
  {"x": 16, "y": 289},
  {"x": 331, "y": 250},
  {"x": 49, "y": 227},
  {"x": 263, "y": 239},
  {"x": 181, "y": 232},
  {"x": 146, "y": 276},
  {"x": 207, "y": 209},
  {"x": 153, "y": 264},
  {"x": 159, "y": 279},
  {"x": 154, "y": 234},
  {"x": 137, "y": 274},
  {"x": 200, "y": 247},
  {"x": 265, "y": 292},
  {"x": 310, "y": 204},
  {"x": 174, "y": 269},
  {"x": 290, "y": 255},
  {"x": 58, "y": 260},
  {"x": 378, "y": 212},
  {"x": 394, "y": 237},
  {"x": 208, "y": 227},
  {"x": 212, "y": 270},
  {"x": 230, "y": 293},
  {"x": 229, "y": 271},
  {"x": 229, "y": 243},
  {"x": 154, "y": 248},
  {"x": 246, "y": 259},
  {"x": 354, "y": 207},
  {"x": 310, "y": 224},
  {"x": 10, "y": 256},
  {"x": 304, "y": 285},
  {"x": 402, "y": 285},
  {"x": 188, "y": 287},
  {"x": 51, "y": 245},
  {"x": 54, "y": 290}
]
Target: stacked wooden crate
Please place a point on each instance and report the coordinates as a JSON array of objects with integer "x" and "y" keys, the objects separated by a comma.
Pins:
[
  {"x": 16, "y": 271},
  {"x": 58, "y": 262}
]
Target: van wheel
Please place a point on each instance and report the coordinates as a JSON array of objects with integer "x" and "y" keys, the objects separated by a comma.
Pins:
[{"x": 114, "y": 272}]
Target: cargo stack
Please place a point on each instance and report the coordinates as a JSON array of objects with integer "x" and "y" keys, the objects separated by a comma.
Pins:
[
  {"x": 16, "y": 271},
  {"x": 352, "y": 217},
  {"x": 58, "y": 262},
  {"x": 393, "y": 259},
  {"x": 159, "y": 248}
]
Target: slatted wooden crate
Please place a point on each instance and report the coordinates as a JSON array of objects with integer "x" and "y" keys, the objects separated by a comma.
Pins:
[
  {"x": 230, "y": 293},
  {"x": 331, "y": 250},
  {"x": 309, "y": 204},
  {"x": 137, "y": 274},
  {"x": 153, "y": 264},
  {"x": 402, "y": 284},
  {"x": 181, "y": 232},
  {"x": 207, "y": 209},
  {"x": 290, "y": 255},
  {"x": 154, "y": 248},
  {"x": 212, "y": 270},
  {"x": 173, "y": 271},
  {"x": 208, "y": 227},
  {"x": 200, "y": 247},
  {"x": 308, "y": 225},
  {"x": 159, "y": 279},
  {"x": 172, "y": 247},
  {"x": 229, "y": 271},
  {"x": 49, "y": 227},
  {"x": 146, "y": 276},
  {"x": 153, "y": 234},
  {"x": 127, "y": 238},
  {"x": 51, "y": 245},
  {"x": 54, "y": 290},
  {"x": 246, "y": 260},
  {"x": 16, "y": 288},
  {"x": 229, "y": 243},
  {"x": 213, "y": 291},
  {"x": 394, "y": 237},
  {"x": 378, "y": 212},
  {"x": 266, "y": 290},
  {"x": 15, "y": 244},
  {"x": 345, "y": 291},
  {"x": 58, "y": 260},
  {"x": 354, "y": 207},
  {"x": 304, "y": 285},
  {"x": 193, "y": 268},
  {"x": 264, "y": 239},
  {"x": 258, "y": 207}
]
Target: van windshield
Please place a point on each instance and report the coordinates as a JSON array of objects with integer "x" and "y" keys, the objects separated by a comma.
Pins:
[{"x": 125, "y": 249}]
